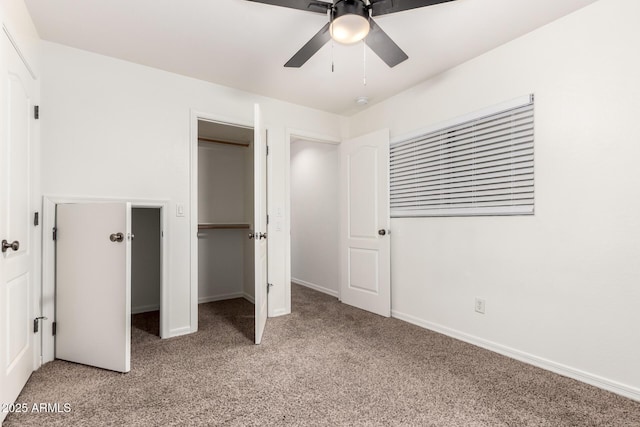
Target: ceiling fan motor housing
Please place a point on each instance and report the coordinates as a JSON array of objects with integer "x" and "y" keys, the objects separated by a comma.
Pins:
[
  {"x": 346, "y": 7},
  {"x": 349, "y": 21}
]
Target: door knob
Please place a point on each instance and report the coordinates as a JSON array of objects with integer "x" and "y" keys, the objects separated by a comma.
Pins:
[
  {"x": 14, "y": 246},
  {"x": 382, "y": 232},
  {"x": 251, "y": 235},
  {"x": 262, "y": 235},
  {"x": 116, "y": 237}
]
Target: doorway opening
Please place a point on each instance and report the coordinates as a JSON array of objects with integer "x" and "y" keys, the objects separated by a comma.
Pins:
[
  {"x": 146, "y": 269},
  {"x": 315, "y": 215},
  {"x": 225, "y": 212}
]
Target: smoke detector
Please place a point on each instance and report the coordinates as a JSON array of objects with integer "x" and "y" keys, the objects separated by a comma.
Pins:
[{"x": 362, "y": 100}]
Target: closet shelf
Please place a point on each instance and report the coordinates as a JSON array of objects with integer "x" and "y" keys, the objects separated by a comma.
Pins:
[
  {"x": 217, "y": 141},
  {"x": 213, "y": 226}
]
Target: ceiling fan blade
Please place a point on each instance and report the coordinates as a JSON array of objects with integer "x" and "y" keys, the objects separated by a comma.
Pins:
[
  {"x": 308, "y": 5},
  {"x": 383, "y": 46},
  {"x": 309, "y": 49},
  {"x": 382, "y": 7}
]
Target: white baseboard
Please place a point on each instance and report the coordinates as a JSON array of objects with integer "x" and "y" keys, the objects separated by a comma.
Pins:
[
  {"x": 180, "y": 331},
  {"x": 549, "y": 365},
  {"x": 280, "y": 312},
  {"x": 248, "y": 298},
  {"x": 222, "y": 297},
  {"x": 145, "y": 308},
  {"x": 315, "y": 287}
]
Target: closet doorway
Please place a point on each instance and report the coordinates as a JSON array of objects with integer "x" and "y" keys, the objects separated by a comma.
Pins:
[
  {"x": 225, "y": 212},
  {"x": 231, "y": 214},
  {"x": 146, "y": 269}
]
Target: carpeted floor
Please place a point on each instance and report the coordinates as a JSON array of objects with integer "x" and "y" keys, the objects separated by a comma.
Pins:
[{"x": 327, "y": 364}]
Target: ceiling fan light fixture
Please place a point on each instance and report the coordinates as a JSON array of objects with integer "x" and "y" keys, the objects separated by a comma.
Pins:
[{"x": 349, "y": 28}]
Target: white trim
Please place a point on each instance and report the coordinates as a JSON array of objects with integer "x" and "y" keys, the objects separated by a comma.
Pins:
[
  {"x": 48, "y": 279},
  {"x": 279, "y": 312},
  {"x": 196, "y": 115},
  {"x": 315, "y": 287},
  {"x": 145, "y": 308},
  {"x": 549, "y": 365},
  {"x": 295, "y": 135},
  {"x": 23, "y": 58},
  {"x": 49, "y": 203},
  {"x": 221, "y": 297},
  {"x": 291, "y": 135},
  {"x": 516, "y": 102},
  {"x": 185, "y": 330}
]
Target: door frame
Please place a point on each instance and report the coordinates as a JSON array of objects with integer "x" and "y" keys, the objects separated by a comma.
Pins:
[
  {"x": 291, "y": 135},
  {"x": 49, "y": 203},
  {"x": 193, "y": 198}
]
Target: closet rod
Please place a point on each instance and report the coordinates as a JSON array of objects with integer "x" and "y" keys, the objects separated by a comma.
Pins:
[
  {"x": 218, "y": 226},
  {"x": 216, "y": 141}
]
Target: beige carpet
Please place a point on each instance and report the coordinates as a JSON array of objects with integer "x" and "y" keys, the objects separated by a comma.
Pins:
[{"x": 327, "y": 364}]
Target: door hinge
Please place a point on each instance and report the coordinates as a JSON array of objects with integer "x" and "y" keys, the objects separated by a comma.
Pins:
[
  {"x": 53, "y": 328},
  {"x": 267, "y": 219},
  {"x": 36, "y": 112},
  {"x": 36, "y": 324},
  {"x": 269, "y": 285},
  {"x": 55, "y": 233},
  {"x": 36, "y": 219},
  {"x": 267, "y": 150}
]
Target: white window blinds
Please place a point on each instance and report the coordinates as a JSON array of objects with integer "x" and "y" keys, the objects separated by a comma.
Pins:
[{"x": 477, "y": 166}]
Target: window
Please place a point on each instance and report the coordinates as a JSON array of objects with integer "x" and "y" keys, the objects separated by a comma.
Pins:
[{"x": 480, "y": 164}]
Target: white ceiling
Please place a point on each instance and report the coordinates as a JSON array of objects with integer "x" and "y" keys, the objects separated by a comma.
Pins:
[{"x": 244, "y": 44}]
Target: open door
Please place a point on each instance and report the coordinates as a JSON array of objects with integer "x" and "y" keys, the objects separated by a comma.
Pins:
[
  {"x": 19, "y": 349},
  {"x": 93, "y": 284},
  {"x": 260, "y": 223},
  {"x": 365, "y": 273}
]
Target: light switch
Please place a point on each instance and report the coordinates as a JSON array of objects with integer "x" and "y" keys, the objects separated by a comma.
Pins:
[{"x": 179, "y": 209}]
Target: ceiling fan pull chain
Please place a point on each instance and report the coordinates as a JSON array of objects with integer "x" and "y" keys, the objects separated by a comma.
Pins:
[
  {"x": 364, "y": 63},
  {"x": 330, "y": 12},
  {"x": 332, "y": 68}
]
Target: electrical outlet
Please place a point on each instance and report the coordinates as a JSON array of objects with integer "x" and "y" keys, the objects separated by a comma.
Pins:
[{"x": 480, "y": 303}]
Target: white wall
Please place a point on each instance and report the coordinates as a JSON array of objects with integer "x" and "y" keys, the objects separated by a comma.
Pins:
[
  {"x": 561, "y": 287},
  {"x": 220, "y": 264},
  {"x": 222, "y": 183},
  {"x": 15, "y": 17},
  {"x": 116, "y": 129},
  {"x": 145, "y": 260},
  {"x": 315, "y": 215}
]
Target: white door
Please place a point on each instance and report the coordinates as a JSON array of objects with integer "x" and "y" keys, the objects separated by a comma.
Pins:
[
  {"x": 365, "y": 273},
  {"x": 18, "y": 345},
  {"x": 93, "y": 284},
  {"x": 260, "y": 224}
]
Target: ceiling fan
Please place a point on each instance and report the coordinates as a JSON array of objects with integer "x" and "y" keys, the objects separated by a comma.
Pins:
[{"x": 349, "y": 22}]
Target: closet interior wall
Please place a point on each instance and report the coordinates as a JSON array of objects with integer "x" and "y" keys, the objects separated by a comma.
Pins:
[{"x": 225, "y": 213}]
